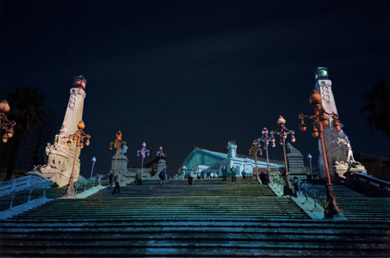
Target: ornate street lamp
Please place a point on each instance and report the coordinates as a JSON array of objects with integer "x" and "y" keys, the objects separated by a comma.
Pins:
[
  {"x": 5, "y": 124},
  {"x": 78, "y": 137},
  {"x": 143, "y": 152},
  {"x": 254, "y": 149},
  {"x": 93, "y": 165},
  {"x": 265, "y": 139},
  {"x": 283, "y": 132},
  {"x": 311, "y": 167},
  {"x": 117, "y": 144},
  {"x": 321, "y": 119},
  {"x": 160, "y": 152}
]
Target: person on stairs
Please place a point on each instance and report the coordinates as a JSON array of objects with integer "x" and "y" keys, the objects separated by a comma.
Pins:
[
  {"x": 116, "y": 181},
  {"x": 190, "y": 176},
  {"x": 233, "y": 170},
  {"x": 163, "y": 176}
]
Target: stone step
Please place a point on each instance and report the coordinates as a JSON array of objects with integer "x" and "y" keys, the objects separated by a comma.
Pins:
[{"x": 229, "y": 249}]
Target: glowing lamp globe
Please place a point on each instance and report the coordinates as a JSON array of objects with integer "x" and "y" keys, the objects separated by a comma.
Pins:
[
  {"x": 315, "y": 132},
  {"x": 79, "y": 81},
  {"x": 10, "y": 133},
  {"x": 315, "y": 98},
  {"x": 4, "y": 106},
  {"x": 81, "y": 125},
  {"x": 325, "y": 120},
  {"x": 321, "y": 73},
  {"x": 281, "y": 120}
]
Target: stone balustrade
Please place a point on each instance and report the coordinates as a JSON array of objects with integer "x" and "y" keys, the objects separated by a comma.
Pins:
[
  {"x": 368, "y": 185},
  {"x": 19, "y": 184}
]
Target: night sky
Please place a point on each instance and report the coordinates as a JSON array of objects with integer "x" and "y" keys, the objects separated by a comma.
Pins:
[{"x": 180, "y": 74}]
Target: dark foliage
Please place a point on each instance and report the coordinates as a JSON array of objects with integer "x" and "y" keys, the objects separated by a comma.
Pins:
[{"x": 378, "y": 106}]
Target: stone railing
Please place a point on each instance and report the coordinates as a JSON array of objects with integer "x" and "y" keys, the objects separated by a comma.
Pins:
[
  {"x": 43, "y": 185},
  {"x": 367, "y": 185},
  {"x": 82, "y": 186},
  {"x": 19, "y": 184}
]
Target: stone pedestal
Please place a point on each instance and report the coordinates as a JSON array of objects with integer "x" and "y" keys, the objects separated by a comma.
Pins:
[
  {"x": 161, "y": 165},
  {"x": 296, "y": 168}
]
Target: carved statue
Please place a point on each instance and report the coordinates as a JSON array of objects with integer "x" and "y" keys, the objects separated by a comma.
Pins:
[{"x": 124, "y": 149}]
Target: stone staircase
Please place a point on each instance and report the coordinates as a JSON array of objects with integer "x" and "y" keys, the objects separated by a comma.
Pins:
[
  {"x": 210, "y": 218},
  {"x": 356, "y": 206}
]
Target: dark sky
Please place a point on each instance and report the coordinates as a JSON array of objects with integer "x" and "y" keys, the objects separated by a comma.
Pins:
[{"x": 196, "y": 73}]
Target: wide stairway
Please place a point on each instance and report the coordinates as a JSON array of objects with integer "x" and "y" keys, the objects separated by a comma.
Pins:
[
  {"x": 356, "y": 206},
  {"x": 211, "y": 218}
]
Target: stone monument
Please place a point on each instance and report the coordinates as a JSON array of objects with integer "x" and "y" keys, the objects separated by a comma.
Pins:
[
  {"x": 296, "y": 168},
  {"x": 60, "y": 157},
  {"x": 339, "y": 150}
]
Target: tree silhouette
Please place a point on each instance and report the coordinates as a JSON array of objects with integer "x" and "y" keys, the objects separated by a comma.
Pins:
[
  {"x": 27, "y": 110},
  {"x": 378, "y": 106}
]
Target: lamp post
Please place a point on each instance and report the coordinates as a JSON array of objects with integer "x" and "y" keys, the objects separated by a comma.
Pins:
[
  {"x": 93, "y": 165},
  {"x": 311, "y": 168},
  {"x": 283, "y": 132},
  {"x": 5, "y": 124},
  {"x": 143, "y": 152},
  {"x": 117, "y": 144},
  {"x": 253, "y": 150},
  {"x": 160, "y": 152},
  {"x": 321, "y": 119},
  {"x": 265, "y": 139},
  {"x": 78, "y": 137}
]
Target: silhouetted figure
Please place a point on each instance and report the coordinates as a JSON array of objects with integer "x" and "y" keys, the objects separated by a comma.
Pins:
[
  {"x": 233, "y": 170},
  {"x": 116, "y": 180},
  {"x": 110, "y": 180},
  {"x": 224, "y": 173},
  {"x": 163, "y": 176},
  {"x": 190, "y": 177}
]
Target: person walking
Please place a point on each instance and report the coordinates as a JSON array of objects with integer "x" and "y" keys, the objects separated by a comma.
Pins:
[
  {"x": 163, "y": 176},
  {"x": 116, "y": 181},
  {"x": 190, "y": 177},
  {"x": 110, "y": 180},
  {"x": 224, "y": 173},
  {"x": 233, "y": 170}
]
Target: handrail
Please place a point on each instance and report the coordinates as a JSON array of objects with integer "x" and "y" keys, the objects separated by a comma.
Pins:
[
  {"x": 19, "y": 184},
  {"x": 368, "y": 185},
  {"x": 41, "y": 185}
]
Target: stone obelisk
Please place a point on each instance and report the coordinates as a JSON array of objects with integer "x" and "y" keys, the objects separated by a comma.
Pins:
[
  {"x": 339, "y": 151},
  {"x": 60, "y": 157}
]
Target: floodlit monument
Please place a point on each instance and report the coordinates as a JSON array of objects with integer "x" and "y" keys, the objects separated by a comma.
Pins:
[
  {"x": 150, "y": 169},
  {"x": 60, "y": 157},
  {"x": 339, "y": 150}
]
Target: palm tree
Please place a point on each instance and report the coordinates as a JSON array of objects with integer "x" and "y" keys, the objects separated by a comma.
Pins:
[
  {"x": 27, "y": 110},
  {"x": 378, "y": 106}
]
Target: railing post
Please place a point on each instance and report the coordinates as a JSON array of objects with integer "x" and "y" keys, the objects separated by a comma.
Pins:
[
  {"x": 13, "y": 185},
  {"x": 12, "y": 200},
  {"x": 29, "y": 195}
]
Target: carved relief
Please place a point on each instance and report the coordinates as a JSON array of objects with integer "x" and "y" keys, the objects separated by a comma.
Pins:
[
  {"x": 325, "y": 92},
  {"x": 72, "y": 99}
]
